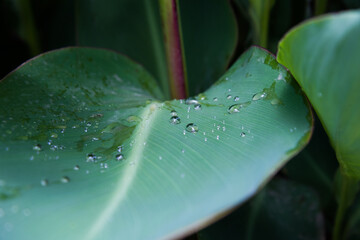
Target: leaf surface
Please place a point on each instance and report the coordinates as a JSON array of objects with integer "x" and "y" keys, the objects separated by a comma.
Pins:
[
  {"x": 65, "y": 114},
  {"x": 322, "y": 56}
]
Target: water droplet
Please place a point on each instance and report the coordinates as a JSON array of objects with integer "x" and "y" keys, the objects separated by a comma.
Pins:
[
  {"x": 236, "y": 107},
  {"x": 175, "y": 120},
  {"x": 202, "y": 96},
  {"x": 275, "y": 101},
  {"x": 37, "y": 147},
  {"x": 173, "y": 113},
  {"x": 119, "y": 157},
  {"x": 242, "y": 134},
  {"x": 31, "y": 158},
  {"x": 190, "y": 101},
  {"x": 76, "y": 167},
  {"x": 183, "y": 150},
  {"x": 236, "y": 98},
  {"x": 54, "y": 135},
  {"x": 319, "y": 94},
  {"x": 65, "y": 179},
  {"x": 197, "y": 107},
  {"x": 88, "y": 124},
  {"x": 44, "y": 182},
  {"x": 215, "y": 99},
  {"x": 91, "y": 157},
  {"x": 104, "y": 165},
  {"x": 191, "y": 127},
  {"x": 54, "y": 147},
  {"x": 258, "y": 96},
  {"x": 160, "y": 157},
  {"x": 229, "y": 90},
  {"x": 229, "y": 96},
  {"x": 26, "y": 212},
  {"x": 119, "y": 149},
  {"x": 224, "y": 129},
  {"x": 217, "y": 137},
  {"x": 205, "y": 139}
]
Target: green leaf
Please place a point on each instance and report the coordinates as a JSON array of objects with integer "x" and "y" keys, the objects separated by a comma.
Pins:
[
  {"x": 258, "y": 12},
  {"x": 315, "y": 166},
  {"x": 282, "y": 210},
  {"x": 130, "y": 27},
  {"x": 209, "y": 34},
  {"x": 64, "y": 115},
  {"x": 322, "y": 56},
  {"x": 352, "y": 229}
]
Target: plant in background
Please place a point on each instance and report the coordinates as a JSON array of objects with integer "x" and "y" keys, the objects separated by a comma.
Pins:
[{"x": 95, "y": 146}]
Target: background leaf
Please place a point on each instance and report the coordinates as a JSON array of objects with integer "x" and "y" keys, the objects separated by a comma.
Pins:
[
  {"x": 328, "y": 72},
  {"x": 282, "y": 210},
  {"x": 64, "y": 115},
  {"x": 130, "y": 27},
  {"x": 209, "y": 32}
]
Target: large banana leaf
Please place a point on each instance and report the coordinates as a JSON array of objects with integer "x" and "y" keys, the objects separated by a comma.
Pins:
[
  {"x": 322, "y": 54},
  {"x": 89, "y": 151}
]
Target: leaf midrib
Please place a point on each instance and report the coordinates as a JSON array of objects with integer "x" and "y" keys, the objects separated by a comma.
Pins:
[{"x": 141, "y": 133}]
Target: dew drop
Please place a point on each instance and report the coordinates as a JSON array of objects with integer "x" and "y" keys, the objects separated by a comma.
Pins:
[
  {"x": 242, "y": 134},
  {"x": 236, "y": 107},
  {"x": 197, "y": 107},
  {"x": 37, "y": 147},
  {"x": 191, "y": 101},
  {"x": 44, "y": 182},
  {"x": 76, "y": 167},
  {"x": 191, "y": 127},
  {"x": 215, "y": 99},
  {"x": 65, "y": 179},
  {"x": 205, "y": 139},
  {"x": 54, "y": 135},
  {"x": 236, "y": 98},
  {"x": 173, "y": 113},
  {"x": 26, "y": 212},
  {"x": 229, "y": 96},
  {"x": 91, "y": 157},
  {"x": 217, "y": 137},
  {"x": 160, "y": 157},
  {"x": 275, "y": 101},
  {"x": 258, "y": 96},
  {"x": 119, "y": 157},
  {"x": 88, "y": 124},
  {"x": 175, "y": 120},
  {"x": 119, "y": 149}
]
